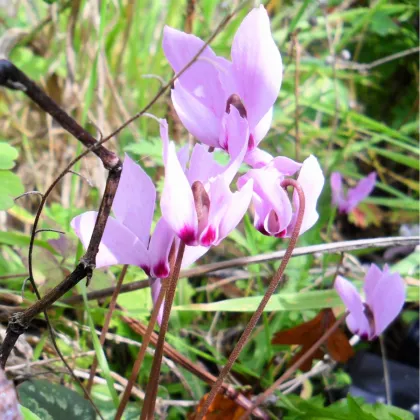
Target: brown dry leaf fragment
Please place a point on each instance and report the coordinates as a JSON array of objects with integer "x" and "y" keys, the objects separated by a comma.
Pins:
[
  {"x": 222, "y": 408},
  {"x": 308, "y": 333}
]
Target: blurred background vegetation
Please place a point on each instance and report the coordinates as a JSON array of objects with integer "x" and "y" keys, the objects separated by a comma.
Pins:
[{"x": 350, "y": 84}]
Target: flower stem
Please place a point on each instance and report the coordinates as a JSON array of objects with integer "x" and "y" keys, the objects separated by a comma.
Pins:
[
  {"x": 140, "y": 356},
  {"x": 277, "y": 278},
  {"x": 152, "y": 385}
]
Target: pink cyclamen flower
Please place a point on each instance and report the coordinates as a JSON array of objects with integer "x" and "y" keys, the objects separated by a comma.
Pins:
[
  {"x": 274, "y": 213},
  {"x": 347, "y": 202},
  {"x": 384, "y": 299},
  {"x": 250, "y": 81},
  {"x": 126, "y": 238},
  {"x": 197, "y": 202}
]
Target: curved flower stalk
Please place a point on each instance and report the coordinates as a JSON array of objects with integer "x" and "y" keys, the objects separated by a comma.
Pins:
[
  {"x": 250, "y": 81},
  {"x": 127, "y": 239},
  {"x": 274, "y": 212},
  {"x": 197, "y": 202},
  {"x": 347, "y": 202},
  {"x": 384, "y": 299}
]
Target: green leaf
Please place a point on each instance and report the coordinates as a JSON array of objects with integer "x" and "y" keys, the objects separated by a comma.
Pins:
[
  {"x": 398, "y": 157},
  {"x": 50, "y": 401},
  {"x": 17, "y": 239},
  {"x": 382, "y": 24},
  {"x": 356, "y": 411},
  {"x": 8, "y": 154},
  {"x": 10, "y": 187},
  {"x": 28, "y": 414},
  {"x": 301, "y": 301}
]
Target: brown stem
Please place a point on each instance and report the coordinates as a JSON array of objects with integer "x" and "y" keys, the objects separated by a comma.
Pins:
[
  {"x": 286, "y": 375},
  {"x": 105, "y": 328},
  {"x": 277, "y": 278},
  {"x": 195, "y": 369},
  {"x": 20, "y": 321},
  {"x": 152, "y": 385},
  {"x": 140, "y": 356}
]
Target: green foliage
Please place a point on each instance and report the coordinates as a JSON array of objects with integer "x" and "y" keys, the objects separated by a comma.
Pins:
[
  {"x": 10, "y": 184},
  {"x": 350, "y": 408},
  {"x": 53, "y": 402},
  {"x": 105, "y": 66}
]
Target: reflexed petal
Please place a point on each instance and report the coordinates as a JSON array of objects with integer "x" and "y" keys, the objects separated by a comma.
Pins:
[
  {"x": 134, "y": 202},
  {"x": 311, "y": 179},
  {"x": 192, "y": 254},
  {"x": 155, "y": 286},
  {"x": 386, "y": 300},
  {"x": 118, "y": 246},
  {"x": 159, "y": 248},
  {"x": 235, "y": 134},
  {"x": 372, "y": 280},
  {"x": 183, "y": 156},
  {"x": 202, "y": 165},
  {"x": 257, "y": 158},
  {"x": 220, "y": 199},
  {"x": 337, "y": 192},
  {"x": 267, "y": 187},
  {"x": 201, "y": 79},
  {"x": 235, "y": 211},
  {"x": 262, "y": 210},
  {"x": 356, "y": 320},
  {"x": 199, "y": 120},
  {"x": 285, "y": 165},
  {"x": 257, "y": 65},
  {"x": 263, "y": 126},
  {"x": 361, "y": 191},
  {"x": 177, "y": 201}
]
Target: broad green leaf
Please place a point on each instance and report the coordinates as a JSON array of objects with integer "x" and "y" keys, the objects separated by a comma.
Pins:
[
  {"x": 301, "y": 301},
  {"x": 8, "y": 154},
  {"x": 51, "y": 401},
  {"x": 10, "y": 187}
]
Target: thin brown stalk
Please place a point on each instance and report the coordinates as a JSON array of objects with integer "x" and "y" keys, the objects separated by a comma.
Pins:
[
  {"x": 105, "y": 328},
  {"x": 140, "y": 356},
  {"x": 289, "y": 372},
  {"x": 195, "y": 369},
  {"x": 151, "y": 390},
  {"x": 276, "y": 280}
]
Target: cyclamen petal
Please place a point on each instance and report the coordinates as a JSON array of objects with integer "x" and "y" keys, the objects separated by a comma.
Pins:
[
  {"x": 385, "y": 296},
  {"x": 311, "y": 179},
  {"x": 198, "y": 119},
  {"x": 159, "y": 248},
  {"x": 202, "y": 91},
  {"x": 257, "y": 65},
  {"x": 177, "y": 201},
  {"x": 362, "y": 190},
  {"x": 118, "y": 245},
  {"x": 346, "y": 202},
  {"x": 201, "y": 78},
  {"x": 356, "y": 320},
  {"x": 134, "y": 202},
  {"x": 235, "y": 211}
]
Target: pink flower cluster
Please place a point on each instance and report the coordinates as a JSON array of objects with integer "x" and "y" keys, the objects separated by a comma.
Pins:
[{"x": 227, "y": 105}]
